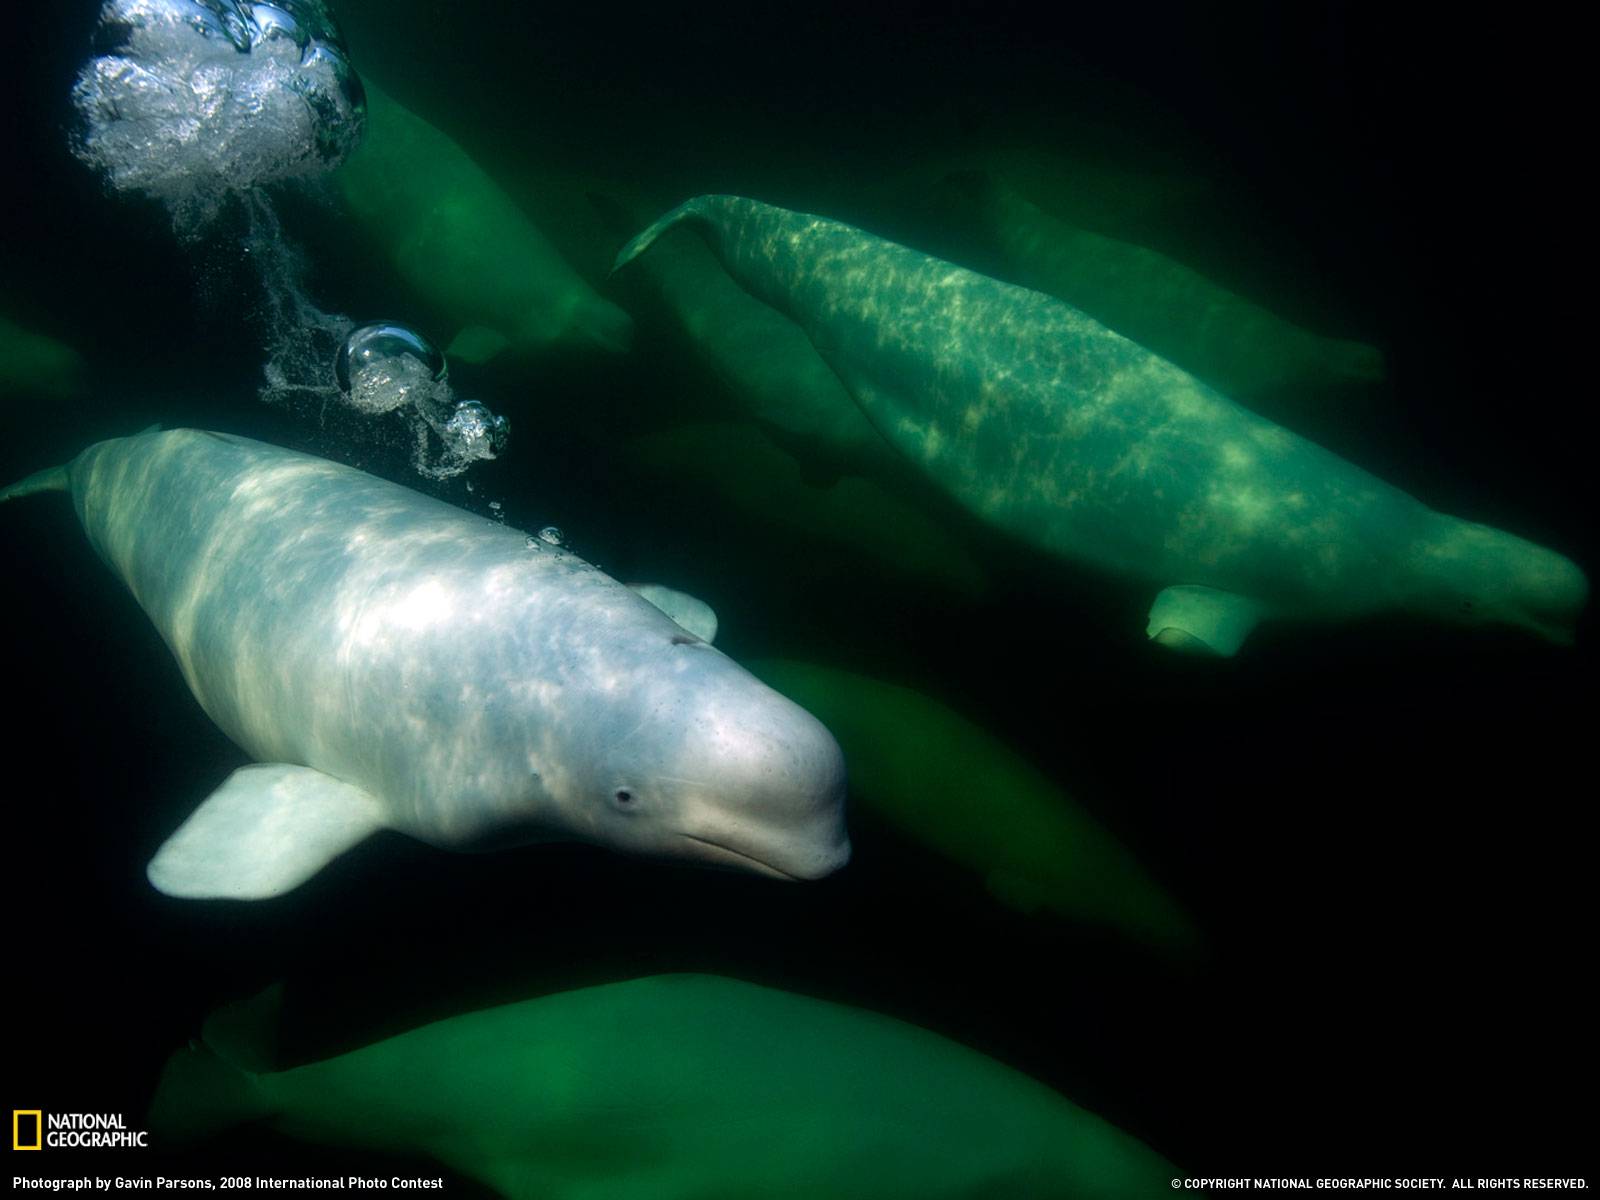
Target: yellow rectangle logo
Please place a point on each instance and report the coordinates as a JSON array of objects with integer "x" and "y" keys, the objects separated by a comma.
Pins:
[{"x": 18, "y": 1116}]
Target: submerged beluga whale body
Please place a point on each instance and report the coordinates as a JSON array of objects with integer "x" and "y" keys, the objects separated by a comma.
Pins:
[
  {"x": 670, "y": 1087},
  {"x": 394, "y": 662},
  {"x": 1071, "y": 437}
]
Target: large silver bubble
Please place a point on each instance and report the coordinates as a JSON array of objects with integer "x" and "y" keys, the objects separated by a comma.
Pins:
[
  {"x": 190, "y": 100},
  {"x": 369, "y": 345}
]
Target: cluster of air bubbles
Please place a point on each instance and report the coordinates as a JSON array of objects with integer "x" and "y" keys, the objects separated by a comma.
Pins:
[
  {"x": 479, "y": 432},
  {"x": 551, "y": 536},
  {"x": 192, "y": 101},
  {"x": 196, "y": 102},
  {"x": 386, "y": 367}
]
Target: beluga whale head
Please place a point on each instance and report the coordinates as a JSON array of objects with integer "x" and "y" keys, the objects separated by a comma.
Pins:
[
  {"x": 1476, "y": 575},
  {"x": 605, "y": 721},
  {"x": 713, "y": 767}
]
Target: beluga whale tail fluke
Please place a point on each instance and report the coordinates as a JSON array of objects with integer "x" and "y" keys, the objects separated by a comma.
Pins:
[
  {"x": 50, "y": 479},
  {"x": 701, "y": 207},
  {"x": 392, "y": 662},
  {"x": 1068, "y": 436}
]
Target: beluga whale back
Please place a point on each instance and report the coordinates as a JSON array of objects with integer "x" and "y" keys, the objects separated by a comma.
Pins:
[
  {"x": 1047, "y": 424},
  {"x": 394, "y": 662}
]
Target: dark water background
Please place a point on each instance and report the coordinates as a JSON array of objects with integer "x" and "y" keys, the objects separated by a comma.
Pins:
[{"x": 1382, "y": 828}]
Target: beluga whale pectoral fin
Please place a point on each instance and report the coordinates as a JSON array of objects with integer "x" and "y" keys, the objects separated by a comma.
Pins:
[
  {"x": 265, "y": 831},
  {"x": 1202, "y": 620}
]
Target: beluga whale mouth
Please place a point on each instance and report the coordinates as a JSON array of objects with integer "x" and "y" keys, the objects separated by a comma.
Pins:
[
  {"x": 721, "y": 855},
  {"x": 718, "y": 854}
]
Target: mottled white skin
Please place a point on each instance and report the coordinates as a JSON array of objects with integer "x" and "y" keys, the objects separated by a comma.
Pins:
[
  {"x": 1046, "y": 423},
  {"x": 482, "y": 687},
  {"x": 1237, "y": 346}
]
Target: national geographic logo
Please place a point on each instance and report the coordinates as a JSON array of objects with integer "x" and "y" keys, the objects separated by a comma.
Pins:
[
  {"x": 32, "y": 1129},
  {"x": 27, "y": 1129}
]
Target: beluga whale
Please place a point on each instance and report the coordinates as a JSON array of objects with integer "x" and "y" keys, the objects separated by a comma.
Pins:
[
  {"x": 465, "y": 246},
  {"x": 668, "y": 1087},
  {"x": 1069, "y": 436},
  {"x": 393, "y": 662}
]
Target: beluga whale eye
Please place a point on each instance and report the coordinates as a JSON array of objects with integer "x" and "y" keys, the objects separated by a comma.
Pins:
[{"x": 624, "y": 797}]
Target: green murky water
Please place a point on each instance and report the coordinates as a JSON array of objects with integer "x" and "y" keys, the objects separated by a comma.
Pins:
[{"x": 1356, "y": 853}]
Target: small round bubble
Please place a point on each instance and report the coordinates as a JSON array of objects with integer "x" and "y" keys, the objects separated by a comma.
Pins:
[{"x": 552, "y": 536}]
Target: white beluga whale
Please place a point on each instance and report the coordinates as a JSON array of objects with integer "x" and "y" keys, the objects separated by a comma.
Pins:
[
  {"x": 1047, "y": 424},
  {"x": 393, "y": 662}
]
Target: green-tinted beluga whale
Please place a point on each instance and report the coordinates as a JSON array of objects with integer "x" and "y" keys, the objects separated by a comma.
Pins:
[
  {"x": 34, "y": 364},
  {"x": 392, "y": 662},
  {"x": 1069, "y": 436},
  {"x": 465, "y": 246},
  {"x": 945, "y": 782},
  {"x": 675, "y": 1087}
]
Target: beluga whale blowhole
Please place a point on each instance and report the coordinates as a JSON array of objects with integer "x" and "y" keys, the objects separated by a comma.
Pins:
[
  {"x": 393, "y": 662},
  {"x": 1046, "y": 424}
]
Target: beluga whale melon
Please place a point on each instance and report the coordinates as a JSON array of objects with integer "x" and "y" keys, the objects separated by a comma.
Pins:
[
  {"x": 1048, "y": 425},
  {"x": 393, "y": 662}
]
